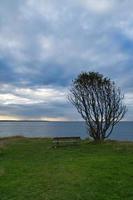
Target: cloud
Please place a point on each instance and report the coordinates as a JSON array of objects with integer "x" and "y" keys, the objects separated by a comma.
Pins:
[
  {"x": 44, "y": 44},
  {"x": 102, "y": 6},
  {"x": 11, "y": 95}
]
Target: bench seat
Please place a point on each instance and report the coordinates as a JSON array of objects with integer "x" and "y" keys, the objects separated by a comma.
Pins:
[{"x": 59, "y": 141}]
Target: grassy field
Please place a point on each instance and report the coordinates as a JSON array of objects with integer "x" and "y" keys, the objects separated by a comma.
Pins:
[{"x": 30, "y": 169}]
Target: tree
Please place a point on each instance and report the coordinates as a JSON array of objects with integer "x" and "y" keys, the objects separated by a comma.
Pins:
[{"x": 99, "y": 102}]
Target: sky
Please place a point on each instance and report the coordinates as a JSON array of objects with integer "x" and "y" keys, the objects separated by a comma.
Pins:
[{"x": 44, "y": 44}]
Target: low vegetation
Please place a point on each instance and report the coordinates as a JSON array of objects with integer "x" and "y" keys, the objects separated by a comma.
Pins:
[{"x": 32, "y": 169}]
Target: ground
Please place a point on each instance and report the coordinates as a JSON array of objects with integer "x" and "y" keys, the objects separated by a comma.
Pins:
[{"x": 32, "y": 169}]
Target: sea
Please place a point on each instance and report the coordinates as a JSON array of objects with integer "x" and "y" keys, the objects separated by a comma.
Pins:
[{"x": 123, "y": 131}]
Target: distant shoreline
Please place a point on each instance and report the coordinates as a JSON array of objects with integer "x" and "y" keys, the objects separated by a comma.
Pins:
[
  {"x": 24, "y": 121},
  {"x": 35, "y": 121},
  {"x": 43, "y": 121}
]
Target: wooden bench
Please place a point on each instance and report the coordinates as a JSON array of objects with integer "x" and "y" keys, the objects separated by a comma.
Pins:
[{"x": 61, "y": 141}]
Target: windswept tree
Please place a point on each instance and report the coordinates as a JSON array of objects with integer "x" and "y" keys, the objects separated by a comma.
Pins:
[{"x": 99, "y": 102}]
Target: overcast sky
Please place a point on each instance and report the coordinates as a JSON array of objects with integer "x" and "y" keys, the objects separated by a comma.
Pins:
[{"x": 44, "y": 44}]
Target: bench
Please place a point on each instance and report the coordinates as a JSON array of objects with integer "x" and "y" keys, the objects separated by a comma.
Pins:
[{"x": 59, "y": 141}]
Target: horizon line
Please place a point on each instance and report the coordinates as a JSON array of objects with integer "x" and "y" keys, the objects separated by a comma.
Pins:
[{"x": 13, "y": 120}]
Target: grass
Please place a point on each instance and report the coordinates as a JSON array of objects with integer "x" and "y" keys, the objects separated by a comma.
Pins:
[{"x": 31, "y": 169}]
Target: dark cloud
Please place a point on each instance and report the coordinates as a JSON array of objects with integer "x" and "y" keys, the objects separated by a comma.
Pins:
[{"x": 7, "y": 74}]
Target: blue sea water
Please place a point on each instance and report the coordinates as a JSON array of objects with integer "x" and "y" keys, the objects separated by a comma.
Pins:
[{"x": 122, "y": 131}]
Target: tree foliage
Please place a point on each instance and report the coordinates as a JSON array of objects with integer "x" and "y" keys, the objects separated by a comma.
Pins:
[{"x": 99, "y": 102}]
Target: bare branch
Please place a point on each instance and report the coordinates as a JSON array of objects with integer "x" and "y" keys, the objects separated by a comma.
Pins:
[{"x": 99, "y": 102}]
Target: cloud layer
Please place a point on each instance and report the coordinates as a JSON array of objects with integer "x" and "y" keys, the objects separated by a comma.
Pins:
[{"x": 44, "y": 44}]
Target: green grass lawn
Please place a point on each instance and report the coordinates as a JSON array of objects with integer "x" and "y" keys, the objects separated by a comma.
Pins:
[{"x": 30, "y": 169}]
